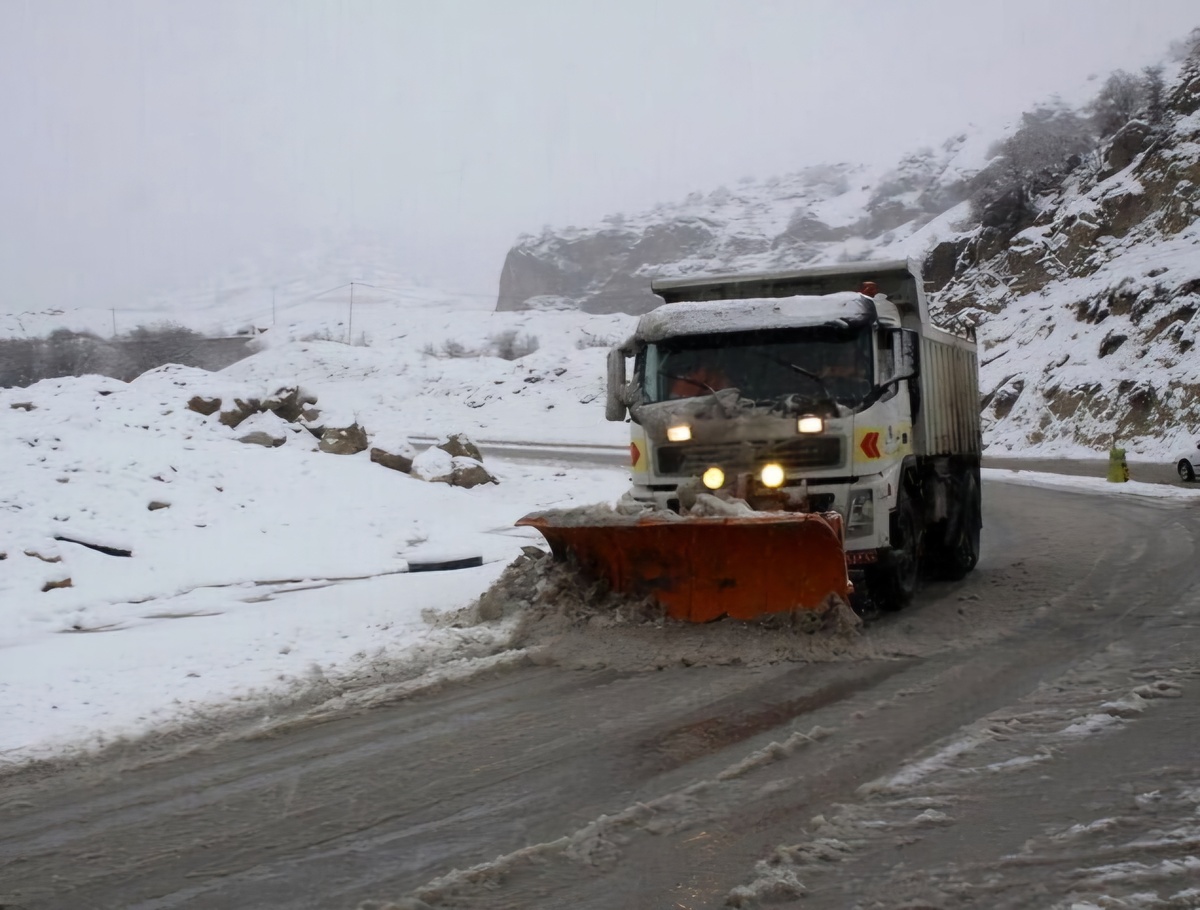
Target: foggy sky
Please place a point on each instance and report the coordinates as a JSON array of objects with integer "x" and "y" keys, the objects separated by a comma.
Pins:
[{"x": 149, "y": 142}]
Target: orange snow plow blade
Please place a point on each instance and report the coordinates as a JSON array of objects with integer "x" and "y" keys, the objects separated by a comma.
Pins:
[{"x": 703, "y": 568}]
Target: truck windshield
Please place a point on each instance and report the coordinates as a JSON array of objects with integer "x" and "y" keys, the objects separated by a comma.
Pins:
[{"x": 764, "y": 366}]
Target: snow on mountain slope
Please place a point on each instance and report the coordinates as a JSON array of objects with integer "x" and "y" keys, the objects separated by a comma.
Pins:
[
  {"x": 817, "y": 215},
  {"x": 1087, "y": 317}
]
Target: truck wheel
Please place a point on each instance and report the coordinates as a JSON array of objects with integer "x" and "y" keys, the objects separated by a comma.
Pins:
[
  {"x": 894, "y": 582},
  {"x": 960, "y": 554},
  {"x": 1186, "y": 474}
]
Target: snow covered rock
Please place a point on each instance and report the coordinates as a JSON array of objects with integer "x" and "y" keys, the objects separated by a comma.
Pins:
[
  {"x": 436, "y": 465},
  {"x": 398, "y": 461},
  {"x": 344, "y": 440},
  {"x": 241, "y": 410},
  {"x": 291, "y": 403},
  {"x": 460, "y": 445},
  {"x": 262, "y": 438},
  {"x": 204, "y": 405}
]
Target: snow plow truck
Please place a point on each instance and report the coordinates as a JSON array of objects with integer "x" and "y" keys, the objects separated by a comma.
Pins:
[{"x": 796, "y": 436}]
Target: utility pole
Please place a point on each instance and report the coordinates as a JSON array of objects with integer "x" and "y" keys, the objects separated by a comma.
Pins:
[
  {"x": 114, "y": 314},
  {"x": 350, "y": 326},
  {"x": 272, "y": 305}
]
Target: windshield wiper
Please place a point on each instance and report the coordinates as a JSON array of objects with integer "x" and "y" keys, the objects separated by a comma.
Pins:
[{"x": 807, "y": 374}]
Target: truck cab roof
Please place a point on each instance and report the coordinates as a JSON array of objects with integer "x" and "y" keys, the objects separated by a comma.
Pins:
[
  {"x": 898, "y": 279},
  {"x": 749, "y": 314}
]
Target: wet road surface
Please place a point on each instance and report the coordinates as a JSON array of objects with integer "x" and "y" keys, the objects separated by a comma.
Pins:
[{"x": 667, "y": 786}]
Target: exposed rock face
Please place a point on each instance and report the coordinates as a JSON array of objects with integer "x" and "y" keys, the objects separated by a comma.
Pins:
[
  {"x": 817, "y": 214},
  {"x": 344, "y": 440},
  {"x": 1130, "y": 142},
  {"x": 1087, "y": 319}
]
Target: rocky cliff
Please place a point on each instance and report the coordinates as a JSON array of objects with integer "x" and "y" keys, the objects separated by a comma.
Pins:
[
  {"x": 1084, "y": 304},
  {"x": 1087, "y": 316},
  {"x": 815, "y": 215}
]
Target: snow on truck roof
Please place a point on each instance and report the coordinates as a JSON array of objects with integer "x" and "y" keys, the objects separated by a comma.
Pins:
[{"x": 718, "y": 316}]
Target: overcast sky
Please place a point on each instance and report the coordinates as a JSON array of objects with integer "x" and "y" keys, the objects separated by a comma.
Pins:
[{"x": 150, "y": 142}]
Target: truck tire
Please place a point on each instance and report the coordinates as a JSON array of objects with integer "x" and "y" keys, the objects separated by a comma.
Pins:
[
  {"x": 959, "y": 552},
  {"x": 893, "y": 582}
]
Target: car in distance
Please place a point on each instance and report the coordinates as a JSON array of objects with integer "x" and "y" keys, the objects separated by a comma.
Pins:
[{"x": 1187, "y": 463}]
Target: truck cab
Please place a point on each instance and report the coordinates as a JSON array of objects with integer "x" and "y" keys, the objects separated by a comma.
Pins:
[{"x": 821, "y": 390}]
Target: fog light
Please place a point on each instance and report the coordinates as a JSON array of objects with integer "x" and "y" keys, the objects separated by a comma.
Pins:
[
  {"x": 810, "y": 425},
  {"x": 679, "y": 434},
  {"x": 772, "y": 475},
  {"x": 713, "y": 478}
]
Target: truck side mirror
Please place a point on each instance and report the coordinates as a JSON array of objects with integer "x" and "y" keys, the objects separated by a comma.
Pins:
[
  {"x": 614, "y": 408},
  {"x": 905, "y": 345}
]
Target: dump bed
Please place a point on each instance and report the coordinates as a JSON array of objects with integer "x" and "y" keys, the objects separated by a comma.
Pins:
[{"x": 947, "y": 421}]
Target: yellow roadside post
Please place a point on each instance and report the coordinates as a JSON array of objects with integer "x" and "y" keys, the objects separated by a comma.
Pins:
[{"x": 1118, "y": 468}]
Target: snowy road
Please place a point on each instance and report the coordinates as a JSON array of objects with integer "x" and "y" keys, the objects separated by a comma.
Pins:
[{"x": 1026, "y": 737}]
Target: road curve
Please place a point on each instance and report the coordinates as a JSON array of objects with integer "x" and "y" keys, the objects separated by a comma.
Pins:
[{"x": 649, "y": 783}]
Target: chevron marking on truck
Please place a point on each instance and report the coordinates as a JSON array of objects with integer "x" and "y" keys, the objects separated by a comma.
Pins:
[{"x": 870, "y": 445}]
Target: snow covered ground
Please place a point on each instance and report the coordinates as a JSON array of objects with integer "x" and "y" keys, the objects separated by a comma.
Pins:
[{"x": 266, "y": 576}]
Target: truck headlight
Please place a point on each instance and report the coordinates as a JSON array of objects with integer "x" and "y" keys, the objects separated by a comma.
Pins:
[
  {"x": 679, "y": 434},
  {"x": 713, "y": 478},
  {"x": 810, "y": 425},
  {"x": 772, "y": 475},
  {"x": 860, "y": 514}
]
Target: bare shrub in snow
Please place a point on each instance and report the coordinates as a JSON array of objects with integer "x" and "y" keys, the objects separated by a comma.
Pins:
[
  {"x": 147, "y": 347},
  {"x": 507, "y": 345},
  {"x": 1051, "y": 141},
  {"x": 1121, "y": 99},
  {"x": 1155, "y": 101},
  {"x": 1186, "y": 48},
  {"x": 592, "y": 340},
  {"x": 455, "y": 349}
]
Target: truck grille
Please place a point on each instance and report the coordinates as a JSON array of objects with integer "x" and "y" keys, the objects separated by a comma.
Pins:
[{"x": 793, "y": 454}]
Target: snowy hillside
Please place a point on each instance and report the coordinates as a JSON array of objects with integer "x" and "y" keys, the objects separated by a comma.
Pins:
[
  {"x": 1084, "y": 301},
  {"x": 160, "y": 567},
  {"x": 1087, "y": 316},
  {"x": 817, "y": 215}
]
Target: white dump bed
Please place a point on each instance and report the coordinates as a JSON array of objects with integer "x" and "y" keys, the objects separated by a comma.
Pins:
[{"x": 947, "y": 422}]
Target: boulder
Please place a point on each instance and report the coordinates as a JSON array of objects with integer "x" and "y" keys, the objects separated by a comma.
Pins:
[
  {"x": 397, "y": 461},
  {"x": 240, "y": 411},
  {"x": 262, "y": 438},
  {"x": 469, "y": 473},
  {"x": 290, "y": 403},
  {"x": 158, "y": 504},
  {"x": 460, "y": 445},
  {"x": 436, "y": 465},
  {"x": 344, "y": 440},
  {"x": 204, "y": 405},
  {"x": 1132, "y": 139}
]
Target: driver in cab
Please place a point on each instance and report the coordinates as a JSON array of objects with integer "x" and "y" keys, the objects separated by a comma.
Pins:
[{"x": 699, "y": 380}]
